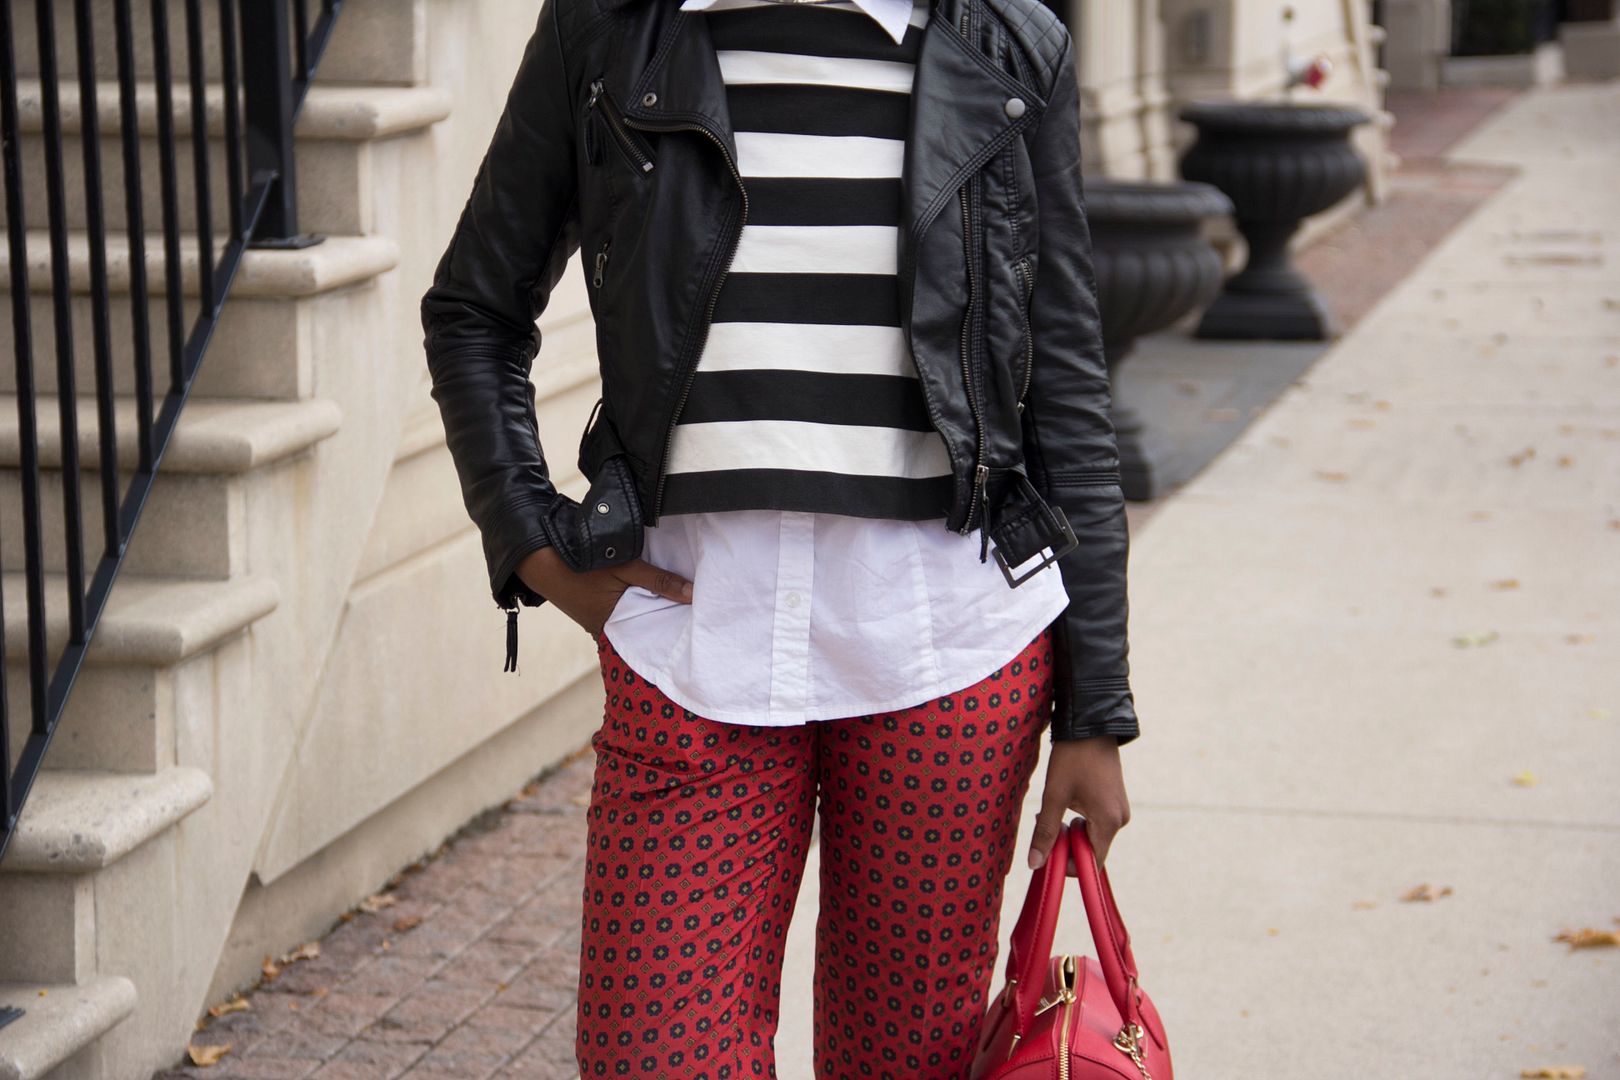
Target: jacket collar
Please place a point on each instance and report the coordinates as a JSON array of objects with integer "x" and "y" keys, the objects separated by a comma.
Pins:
[{"x": 959, "y": 113}]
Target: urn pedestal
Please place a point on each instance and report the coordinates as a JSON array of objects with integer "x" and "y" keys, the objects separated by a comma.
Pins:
[
  {"x": 1279, "y": 163},
  {"x": 1153, "y": 265}
]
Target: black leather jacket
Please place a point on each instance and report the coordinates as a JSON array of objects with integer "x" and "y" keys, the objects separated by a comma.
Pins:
[{"x": 615, "y": 141}]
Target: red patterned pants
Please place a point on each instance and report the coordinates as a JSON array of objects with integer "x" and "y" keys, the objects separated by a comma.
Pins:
[{"x": 698, "y": 832}]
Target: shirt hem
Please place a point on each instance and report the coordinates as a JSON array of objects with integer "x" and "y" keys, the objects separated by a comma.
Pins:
[{"x": 657, "y": 675}]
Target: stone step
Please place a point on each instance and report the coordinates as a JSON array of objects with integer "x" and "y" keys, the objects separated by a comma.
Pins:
[
  {"x": 58, "y": 1022},
  {"x": 334, "y": 133},
  {"x": 75, "y": 825},
  {"x": 158, "y": 650},
  {"x": 263, "y": 346},
  {"x": 382, "y": 41},
  {"x": 193, "y": 524}
]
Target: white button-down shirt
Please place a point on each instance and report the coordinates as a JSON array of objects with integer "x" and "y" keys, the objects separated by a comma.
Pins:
[{"x": 799, "y": 616}]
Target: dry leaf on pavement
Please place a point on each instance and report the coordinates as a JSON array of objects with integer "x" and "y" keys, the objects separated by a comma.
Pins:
[
  {"x": 236, "y": 1004},
  {"x": 1589, "y": 938},
  {"x": 1555, "y": 1072},
  {"x": 1426, "y": 891},
  {"x": 373, "y": 904},
  {"x": 207, "y": 1055}
]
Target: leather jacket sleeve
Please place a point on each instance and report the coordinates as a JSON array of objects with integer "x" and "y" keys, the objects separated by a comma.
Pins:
[
  {"x": 1069, "y": 436},
  {"x": 508, "y": 251}
]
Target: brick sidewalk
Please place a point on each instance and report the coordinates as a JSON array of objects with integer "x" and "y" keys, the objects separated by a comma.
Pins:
[{"x": 465, "y": 966}]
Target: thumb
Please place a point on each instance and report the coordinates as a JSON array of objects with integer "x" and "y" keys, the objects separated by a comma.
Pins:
[
  {"x": 666, "y": 583},
  {"x": 1048, "y": 827}
]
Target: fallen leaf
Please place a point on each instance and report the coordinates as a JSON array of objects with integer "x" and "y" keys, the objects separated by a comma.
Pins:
[
  {"x": 1331, "y": 476},
  {"x": 205, "y": 1056},
  {"x": 373, "y": 904},
  {"x": 307, "y": 951},
  {"x": 270, "y": 968},
  {"x": 1522, "y": 456},
  {"x": 1382, "y": 406},
  {"x": 1505, "y": 584},
  {"x": 1362, "y": 905},
  {"x": 407, "y": 922},
  {"x": 1555, "y": 1072},
  {"x": 1598, "y": 714},
  {"x": 1525, "y": 778},
  {"x": 319, "y": 992},
  {"x": 1426, "y": 892},
  {"x": 1464, "y": 641},
  {"x": 1579, "y": 639},
  {"x": 1479, "y": 515},
  {"x": 236, "y": 1004},
  {"x": 1437, "y": 591},
  {"x": 1588, "y": 938},
  {"x": 1565, "y": 461}
]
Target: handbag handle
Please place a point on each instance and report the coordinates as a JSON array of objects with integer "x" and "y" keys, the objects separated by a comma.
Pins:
[
  {"x": 1030, "y": 948},
  {"x": 1107, "y": 928}
]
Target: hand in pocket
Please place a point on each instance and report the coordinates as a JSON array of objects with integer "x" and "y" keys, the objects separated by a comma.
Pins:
[{"x": 589, "y": 596}]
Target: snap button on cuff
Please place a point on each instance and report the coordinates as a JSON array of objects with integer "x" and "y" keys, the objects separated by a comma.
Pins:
[
  {"x": 601, "y": 508},
  {"x": 649, "y": 99},
  {"x": 1014, "y": 107}
]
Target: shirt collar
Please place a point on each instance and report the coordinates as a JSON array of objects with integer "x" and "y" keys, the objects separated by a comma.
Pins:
[{"x": 893, "y": 15}]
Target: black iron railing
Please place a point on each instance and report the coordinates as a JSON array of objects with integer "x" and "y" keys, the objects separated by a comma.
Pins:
[{"x": 267, "y": 54}]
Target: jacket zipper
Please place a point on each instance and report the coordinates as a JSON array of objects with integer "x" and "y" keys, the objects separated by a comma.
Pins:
[
  {"x": 708, "y": 313},
  {"x": 601, "y": 262},
  {"x": 639, "y": 158},
  {"x": 980, "y": 471},
  {"x": 1028, "y": 281}
]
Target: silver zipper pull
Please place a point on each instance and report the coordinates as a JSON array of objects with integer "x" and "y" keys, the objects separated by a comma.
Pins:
[{"x": 601, "y": 266}]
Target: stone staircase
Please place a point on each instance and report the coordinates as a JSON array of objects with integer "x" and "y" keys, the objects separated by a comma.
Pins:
[{"x": 134, "y": 849}]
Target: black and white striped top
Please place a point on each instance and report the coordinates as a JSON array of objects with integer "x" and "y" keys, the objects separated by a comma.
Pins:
[{"x": 806, "y": 396}]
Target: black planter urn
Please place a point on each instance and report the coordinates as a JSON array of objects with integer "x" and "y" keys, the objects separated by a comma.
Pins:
[
  {"x": 1279, "y": 163},
  {"x": 1153, "y": 265}
]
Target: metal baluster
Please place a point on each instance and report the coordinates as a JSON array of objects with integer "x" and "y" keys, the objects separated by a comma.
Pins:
[
  {"x": 27, "y": 427},
  {"x": 229, "y": 47},
  {"x": 96, "y": 229},
  {"x": 135, "y": 229},
  {"x": 62, "y": 312},
  {"x": 203, "y": 210},
  {"x": 173, "y": 288}
]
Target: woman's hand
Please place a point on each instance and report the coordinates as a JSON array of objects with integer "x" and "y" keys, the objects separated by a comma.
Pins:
[
  {"x": 1083, "y": 775},
  {"x": 588, "y": 596}
]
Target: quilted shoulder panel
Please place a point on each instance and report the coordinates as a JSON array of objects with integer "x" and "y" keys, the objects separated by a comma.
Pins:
[{"x": 1038, "y": 31}]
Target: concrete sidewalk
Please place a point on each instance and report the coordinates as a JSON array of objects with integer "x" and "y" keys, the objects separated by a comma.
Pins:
[{"x": 1383, "y": 609}]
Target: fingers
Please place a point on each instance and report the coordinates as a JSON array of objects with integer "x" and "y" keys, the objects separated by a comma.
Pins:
[
  {"x": 1102, "y": 827},
  {"x": 1048, "y": 825},
  {"x": 665, "y": 583}
]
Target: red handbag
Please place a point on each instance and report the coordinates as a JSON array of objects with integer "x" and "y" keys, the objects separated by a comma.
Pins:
[{"x": 1071, "y": 1017}]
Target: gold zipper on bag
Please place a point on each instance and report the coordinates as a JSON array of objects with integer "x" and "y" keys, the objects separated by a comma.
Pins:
[{"x": 1069, "y": 997}]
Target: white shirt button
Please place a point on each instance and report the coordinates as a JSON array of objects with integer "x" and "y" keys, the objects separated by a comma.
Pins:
[{"x": 792, "y": 599}]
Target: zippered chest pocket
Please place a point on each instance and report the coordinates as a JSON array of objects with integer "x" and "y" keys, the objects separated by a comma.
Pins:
[{"x": 604, "y": 124}]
